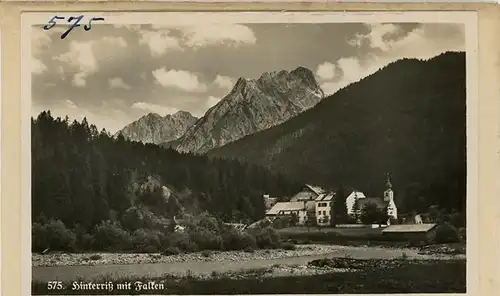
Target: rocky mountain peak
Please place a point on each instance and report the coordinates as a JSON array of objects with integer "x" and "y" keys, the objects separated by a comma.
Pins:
[
  {"x": 251, "y": 106},
  {"x": 153, "y": 128}
]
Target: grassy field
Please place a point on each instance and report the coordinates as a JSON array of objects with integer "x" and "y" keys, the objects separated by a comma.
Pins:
[{"x": 380, "y": 276}]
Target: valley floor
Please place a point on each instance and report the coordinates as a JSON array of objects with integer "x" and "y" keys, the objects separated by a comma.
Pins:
[
  {"x": 305, "y": 275},
  {"x": 68, "y": 267}
]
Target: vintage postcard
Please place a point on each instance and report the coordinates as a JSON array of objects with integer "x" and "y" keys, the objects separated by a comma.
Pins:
[{"x": 249, "y": 152}]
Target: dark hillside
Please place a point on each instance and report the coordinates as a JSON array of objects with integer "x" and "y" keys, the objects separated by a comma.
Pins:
[
  {"x": 407, "y": 119},
  {"x": 82, "y": 176}
]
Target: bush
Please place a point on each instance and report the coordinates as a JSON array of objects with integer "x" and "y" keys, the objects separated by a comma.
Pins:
[
  {"x": 95, "y": 257},
  {"x": 53, "y": 235},
  {"x": 133, "y": 219},
  {"x": 235, "y": 240},
  {"x": 446, "y": 233},
  {"x": 267, "y": 238},
  {"x": 288, "y": 246},
  {"x": 147, "y": 241},
  {"x": 183, "y": 242},
  {"x": 171, "y": 251},
  {"x": 110, "y": 236},
  {"x": 206, "y": 240},
  {"x": 87, "y": 241}
]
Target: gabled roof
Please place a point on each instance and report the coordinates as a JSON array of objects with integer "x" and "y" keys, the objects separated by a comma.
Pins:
[
  {"x": 358, "y": 193},
  {"x": 325, "y": 196},
  {"x": 316, "y": 189},
  {"x": 381, "y": 204},
  {"x": 286, "y": 206},
  {"x": 400, "y": 228}
]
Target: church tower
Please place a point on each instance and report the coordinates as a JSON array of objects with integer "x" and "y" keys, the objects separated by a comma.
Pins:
[
  {"x": 392, "y": 210},
  {"x": 388, "y": 193}
]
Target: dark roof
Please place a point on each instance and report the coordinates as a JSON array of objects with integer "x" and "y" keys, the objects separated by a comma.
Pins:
[{"x": 381, "y": 204}]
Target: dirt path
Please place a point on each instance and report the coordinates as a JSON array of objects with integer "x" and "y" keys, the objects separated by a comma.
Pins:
[{"x": 70, "y": 273}]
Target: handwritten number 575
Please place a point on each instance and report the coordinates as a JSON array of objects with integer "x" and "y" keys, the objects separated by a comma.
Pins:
[{"x": 74, "y": 22}]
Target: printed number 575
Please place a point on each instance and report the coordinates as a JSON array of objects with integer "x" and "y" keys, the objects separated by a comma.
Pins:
[{"x": 54, "y": 285}]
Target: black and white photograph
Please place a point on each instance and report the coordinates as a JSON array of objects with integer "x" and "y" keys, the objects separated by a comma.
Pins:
[{"x": 248, "y": 152}]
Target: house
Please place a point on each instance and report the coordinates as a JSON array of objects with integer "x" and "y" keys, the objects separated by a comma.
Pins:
[
  {"x": 269, "y": 201},
  {"x": 289, "y": 208},
  {"x": 323, "y": 205},
  {"x": 308, "y": 195},
  {"x": 422, "y": 232},
  {"x": 351, "y": 200}
]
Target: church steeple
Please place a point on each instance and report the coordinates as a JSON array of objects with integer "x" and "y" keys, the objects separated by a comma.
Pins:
[
  {"x": 388, "y": 194},
  {"x": 388, "y": 184}
]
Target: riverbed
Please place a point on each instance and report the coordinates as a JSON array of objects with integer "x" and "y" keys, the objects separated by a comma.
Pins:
[{"x": 68, "y": 267}]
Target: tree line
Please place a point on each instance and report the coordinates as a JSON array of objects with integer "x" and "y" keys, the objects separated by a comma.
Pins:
[{"x": 83, "y": 176}]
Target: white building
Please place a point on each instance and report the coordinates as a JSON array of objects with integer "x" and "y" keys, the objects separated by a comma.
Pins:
[
  {"x": 351, "y": 199},
  {"x": 323, "y": 208}
]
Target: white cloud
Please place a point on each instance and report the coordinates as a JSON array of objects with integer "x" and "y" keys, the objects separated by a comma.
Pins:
[
  {"x": 79, "y": 79},
  {"x": 212, "y": 101},
  {"x": 159, "y": 42},
  {"x": 154, "y": 108},
  {"x": 70, "y": 104},
  {"x": 224, "y": 81},
  {"x": 118, "y": 82},
  {"x": 326, "y": 70},
  {"x": 216, "y": 34},
  {"x": 180, "y": 79},
  {"x": 37, "y": 67},
  {"x": 115, "y": 41},
  {"x": 424, "y": 42},
  {"x": 377, "y": 38},
  {"x": 80, "y": 55}
]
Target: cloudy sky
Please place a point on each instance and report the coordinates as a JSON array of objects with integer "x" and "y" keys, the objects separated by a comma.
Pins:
[{"x": 115, "y": 74}]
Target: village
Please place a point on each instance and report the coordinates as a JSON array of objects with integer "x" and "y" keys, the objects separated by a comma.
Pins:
[{"x": 313, "y": 207}]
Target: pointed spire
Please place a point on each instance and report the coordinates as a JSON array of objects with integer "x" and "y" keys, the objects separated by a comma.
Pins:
[{"x": 388, "y": 183}]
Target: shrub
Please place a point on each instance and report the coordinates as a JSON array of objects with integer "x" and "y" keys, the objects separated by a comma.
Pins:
[
  {"x": 147, "y": 241},
  {"x": 171, "y": 251},
  {"x": 267, "y": 238},
  {"x": 249, "y": 250},
  {"x": 133, "y": 219},
  {"x": 235, "y": 240},
  {"x": 87, "y": 241},
  {"x": 95, "y": 257},
  {"x": 446, "y": 233},
  {"x": 110, "y": 236},
  {"x": 53, "y": 235},
  {"x": 183, "y": 242},
  {"x": 206, "y": 240},
  {"x": 288, "y": 246}
]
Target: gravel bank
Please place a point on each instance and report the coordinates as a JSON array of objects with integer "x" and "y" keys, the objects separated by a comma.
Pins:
[
  {"x": 78, "y": 259},
  {"x": 72, "y": 259}
]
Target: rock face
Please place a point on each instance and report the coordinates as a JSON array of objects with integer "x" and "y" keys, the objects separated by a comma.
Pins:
[
  {"x": 252, "y": 106},
  {"x": 153, "y": 128}
]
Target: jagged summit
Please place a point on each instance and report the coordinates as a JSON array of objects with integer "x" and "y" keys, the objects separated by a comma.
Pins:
[
  {"x": 153, "y": 128},
  {"x": 253, "y": 105}
]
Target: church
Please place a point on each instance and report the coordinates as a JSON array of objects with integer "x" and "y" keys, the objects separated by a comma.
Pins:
[{"x": 356, "y": 201}]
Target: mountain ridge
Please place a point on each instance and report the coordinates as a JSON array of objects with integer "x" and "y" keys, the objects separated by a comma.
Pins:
[
  {"x": 390, "y": 121},
  {"x": 253, "y": 105},
  {"x": 156, "y": 129}
]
